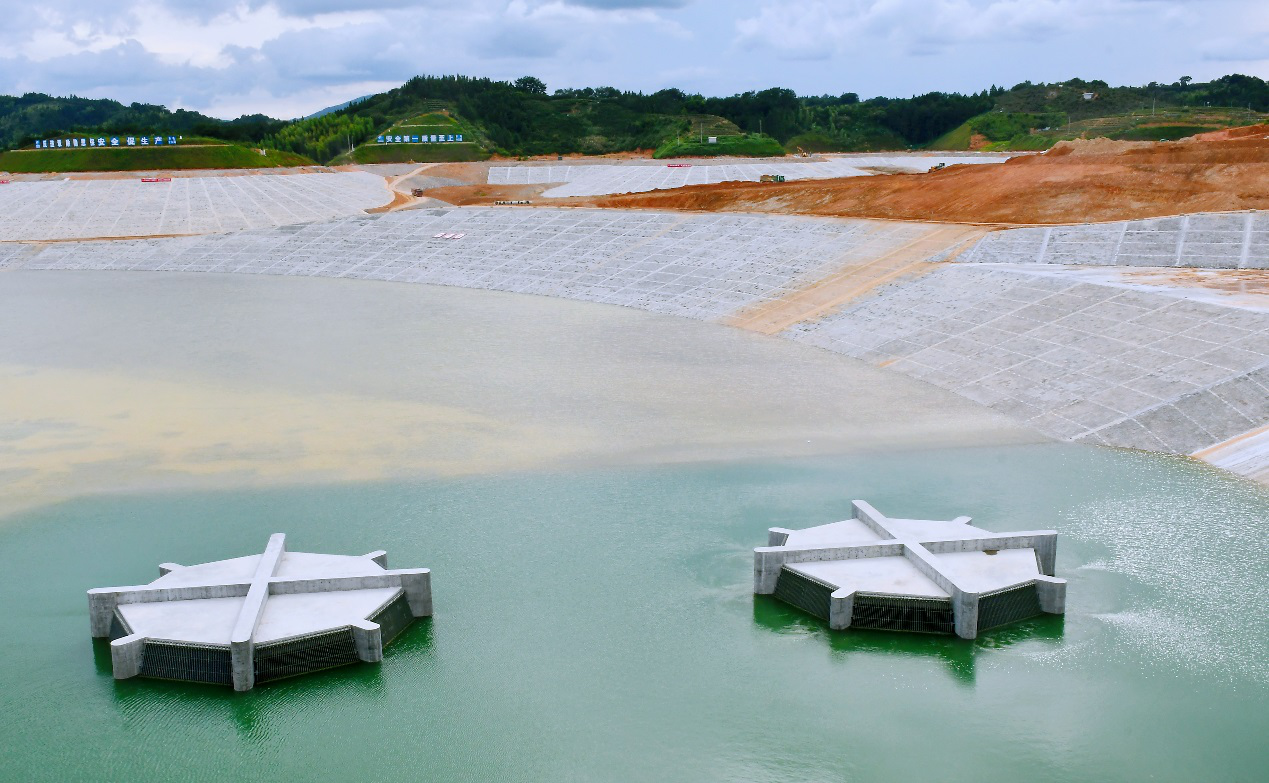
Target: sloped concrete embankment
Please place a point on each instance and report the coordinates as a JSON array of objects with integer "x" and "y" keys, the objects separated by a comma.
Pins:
[{"x": 1101, "y": 362}]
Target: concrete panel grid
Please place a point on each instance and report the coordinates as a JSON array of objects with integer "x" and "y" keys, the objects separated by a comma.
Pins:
[
  {"x": 1087, "y": 359},
  {"x": 186, "y": 205},
  {"x": 599, "y": 180},
  {"x": 1238, "y": 240},
  {"x": 1075, "y": 360}
]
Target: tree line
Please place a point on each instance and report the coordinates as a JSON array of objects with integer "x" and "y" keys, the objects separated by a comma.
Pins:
[{"x": 523, "y": 117}]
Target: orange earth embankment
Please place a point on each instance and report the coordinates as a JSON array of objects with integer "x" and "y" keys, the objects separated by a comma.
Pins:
[{"x": 1080, "y": 181}]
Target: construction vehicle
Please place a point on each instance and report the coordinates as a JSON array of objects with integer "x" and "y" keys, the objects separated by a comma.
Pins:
[
  {"x": 771, "y": 178},
  {"x": 803, "y": 153}
]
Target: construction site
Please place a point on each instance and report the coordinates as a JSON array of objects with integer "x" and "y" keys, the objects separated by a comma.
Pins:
[
  {"x": 588, "y": 390},
  {"x": 1114, "y": 293}
]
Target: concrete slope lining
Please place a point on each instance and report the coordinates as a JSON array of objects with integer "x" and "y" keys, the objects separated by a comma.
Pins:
[
  {"x": 599, "y": 180},
  {"x": 859, "y": 271},
  {"x": 1075, "y": 359},
  {"x": 698, "y": 266},
  {"x": 1236, "y": 240},
  {"x": 34, "y": 211}
]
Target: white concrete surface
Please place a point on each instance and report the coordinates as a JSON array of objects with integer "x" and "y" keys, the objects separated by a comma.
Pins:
[
  {"x": 698, "y": 266},
  {"x": 641, "y": 176},
  {"x": 876, "y": 555},
  {"x": 73, "y": 209},
  {"x": 887, "y": 575},
  {"x": 1089, "y": 354},
  {"x": 1076, "y": 359},
  {"x": 246, "y": 601},
  {"x": 1234, "y": 240}
]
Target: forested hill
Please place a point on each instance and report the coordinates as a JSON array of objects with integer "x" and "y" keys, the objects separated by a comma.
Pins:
[
  {"x": 524, "y": 118},
  {"x": 34, "y": 115},
  {"x": 521, "y": 117}
]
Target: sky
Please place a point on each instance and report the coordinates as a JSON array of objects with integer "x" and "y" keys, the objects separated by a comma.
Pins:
[{"x": 289, "y": 58}]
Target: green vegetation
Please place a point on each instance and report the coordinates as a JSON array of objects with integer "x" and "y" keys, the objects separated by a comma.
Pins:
[
  {"x": 212, "y": 156},
  {"x": 1024, "y": 142},
  {"x": 1021, "y": 131},
  {"x": 1163, "y": 132},
  {"x": 750, "y": 144},
  {"x": 414, "y": 153},
  {"x": 37, "y": 116},
  {"x": 324, "y": 137},
  {"x": 814, "y": 141},
  {"x": 431, "y": 120},
  {"x": 522, "y": 118},
  {"x": 1002, "y": 126},
  {"x": 957, "y": 138}
]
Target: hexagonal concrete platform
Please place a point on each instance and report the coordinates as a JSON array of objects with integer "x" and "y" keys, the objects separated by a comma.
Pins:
[
  {"x": 258, "y": 618},
  {"x": 920, "y": 575}
]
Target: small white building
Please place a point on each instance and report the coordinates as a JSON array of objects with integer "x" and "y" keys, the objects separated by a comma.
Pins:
[
  {"x": 920, "y": 575},
  {"x": 258, "y": 618}
]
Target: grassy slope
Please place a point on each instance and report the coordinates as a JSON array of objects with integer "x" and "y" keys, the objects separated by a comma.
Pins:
[
  {"x": 955, "y": 139},
  {"x": 371, "y": 151},
  {"x": 414, "y": 153},
  {"x": 752, "y": 145},
  {"x": 216, "y": 156},
  {"x": 1166, "y": 123}
]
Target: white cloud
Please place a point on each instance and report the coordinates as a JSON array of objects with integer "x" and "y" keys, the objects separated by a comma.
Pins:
[
  {"x": 821, "y": 28},
  {"x": 291, "y": 57}
]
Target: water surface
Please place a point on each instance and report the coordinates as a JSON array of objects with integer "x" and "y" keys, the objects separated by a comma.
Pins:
[{"x": 599, "y": 625}]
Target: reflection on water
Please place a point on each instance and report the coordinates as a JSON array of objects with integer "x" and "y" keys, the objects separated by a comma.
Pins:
[
  {"x": 141, "y": 701},
  {"x": 957, "y": 655}
]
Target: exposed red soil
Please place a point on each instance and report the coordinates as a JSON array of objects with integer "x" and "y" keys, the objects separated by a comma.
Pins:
[
  {"x": 477, "y": 195},
  {"x": 1079, "y": 181}
]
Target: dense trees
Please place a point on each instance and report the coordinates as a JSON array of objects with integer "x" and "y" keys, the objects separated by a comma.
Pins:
[
  {"x": 522, "y": 117},
  {"x": 34, "y": 115}
]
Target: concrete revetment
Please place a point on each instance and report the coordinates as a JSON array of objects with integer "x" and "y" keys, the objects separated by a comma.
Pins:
[
  {"x": 258, "y": 618},
  {"x": 920, "y": 575}
]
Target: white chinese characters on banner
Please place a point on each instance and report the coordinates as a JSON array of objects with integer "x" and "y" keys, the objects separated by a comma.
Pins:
[{"x": 102, "y": 141}]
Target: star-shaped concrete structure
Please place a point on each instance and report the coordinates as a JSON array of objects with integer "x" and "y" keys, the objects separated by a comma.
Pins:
[
  {"x": 922, "y": 575},
  {"x": 258, "y": 618}
]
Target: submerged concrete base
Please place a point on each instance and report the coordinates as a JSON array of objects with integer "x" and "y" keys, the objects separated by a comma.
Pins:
[
  {"x": 236, "y": 622},
  {"x": 909, "y": 574}
]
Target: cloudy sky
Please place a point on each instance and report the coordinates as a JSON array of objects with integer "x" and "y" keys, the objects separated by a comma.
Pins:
[{"x": 288, "y": 58}]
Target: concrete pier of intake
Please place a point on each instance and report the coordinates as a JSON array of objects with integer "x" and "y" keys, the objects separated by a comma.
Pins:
[
  {"x": 258, "y": 618},
  {"x": 872, "y": 571}
]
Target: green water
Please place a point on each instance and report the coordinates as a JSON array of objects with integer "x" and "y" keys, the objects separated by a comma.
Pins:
[{"x": 599, "y": 626}]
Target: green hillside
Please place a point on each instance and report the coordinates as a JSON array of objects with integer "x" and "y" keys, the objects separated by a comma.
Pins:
[
  {"x": 37, "y": 116},
  {"x": 522, "y": 118},
  {"x": 414, "y": 153},
  {"x": 750, "y": 145},
  {"x": 436, "y": 122},
  {"x": 1019, "y": 131},
  {"x": 195, "y": 156}
]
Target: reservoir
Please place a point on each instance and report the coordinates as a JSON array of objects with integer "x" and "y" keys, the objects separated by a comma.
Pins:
[{"x": 587, "y": 483}]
